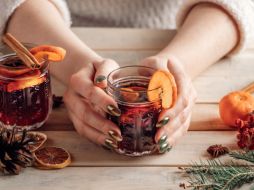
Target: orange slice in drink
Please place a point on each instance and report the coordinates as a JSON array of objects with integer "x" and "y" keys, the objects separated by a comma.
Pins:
[
  {"x": 162, "y": 85},
  {"x": 32, "y": 80},
  {"x": 12, "y": 67},
  {"x": 52, "y": 158},
  {"x": 129, "y": 95},
  {"x": 48, "y": 52},
  {"x": 12, "y": 72}
]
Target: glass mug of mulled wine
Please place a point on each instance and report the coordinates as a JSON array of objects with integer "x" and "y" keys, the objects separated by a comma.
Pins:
[
  {"x": 140, "y": 102},
  {"x": 25, "y": 94}
]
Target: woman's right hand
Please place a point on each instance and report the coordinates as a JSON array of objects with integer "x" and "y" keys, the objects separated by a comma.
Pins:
[
  {"x": 88, "y": 103},
  {"x": 174, "y": 122}
]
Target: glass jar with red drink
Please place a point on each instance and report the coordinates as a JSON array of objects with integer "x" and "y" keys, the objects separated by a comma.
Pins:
[
  {"x": 137, "y": 122},
  {"x": 25, "y": 94}
]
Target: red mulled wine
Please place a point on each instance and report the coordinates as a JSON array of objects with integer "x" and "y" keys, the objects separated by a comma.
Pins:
[
  {"x": 138, "y": 115},
  {"x": 25, "y": 95}
]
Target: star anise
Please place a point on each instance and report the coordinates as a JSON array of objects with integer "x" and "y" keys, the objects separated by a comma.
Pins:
[
  {"x": 217, "y": 150},
  {"x": 182, "y": 185},
  {"x": 57, "y": 101}
]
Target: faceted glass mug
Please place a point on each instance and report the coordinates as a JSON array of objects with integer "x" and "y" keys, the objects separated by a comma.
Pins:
[
  {"x": 129, "y": 87},
  {"x": 25, "y": 95}
]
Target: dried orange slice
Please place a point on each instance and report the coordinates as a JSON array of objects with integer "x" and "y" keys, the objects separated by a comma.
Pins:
[
  {"x": 48, "y": 52},
  {"x": 37, "y": 140},
  {"x": 33, "y": 79},
  {"x": 129, "y": 95},
  {"x": 162, "y": 85},
  {"x": 52, "y": 158}
]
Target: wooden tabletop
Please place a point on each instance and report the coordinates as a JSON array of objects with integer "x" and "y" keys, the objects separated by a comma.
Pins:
[{"x": 94, "y": 168}]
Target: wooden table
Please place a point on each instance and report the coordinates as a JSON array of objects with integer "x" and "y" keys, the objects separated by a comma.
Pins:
[{"x": 94, "y": 168}]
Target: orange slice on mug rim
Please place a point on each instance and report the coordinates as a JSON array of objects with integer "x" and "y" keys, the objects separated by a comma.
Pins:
[
  {"x": 162, "y": 85},
  {"x": 48, "y": 52},
  {"x": 41, "y": 53}
]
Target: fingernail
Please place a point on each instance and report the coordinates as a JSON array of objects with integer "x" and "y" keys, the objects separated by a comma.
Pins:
[
  {"x": 115, "y": 136},
  {"x": 113, "y": 110},
  {"x": 163, "y": 139},
  {"x": 163, "y": 147},
  {"x": 110, "y": 143},
  {"x": 100, "y": 78},
  {"x": 162, "y": 122},
  {"x": 106, "y": 147},
  {"x": 169, "y": 148}
]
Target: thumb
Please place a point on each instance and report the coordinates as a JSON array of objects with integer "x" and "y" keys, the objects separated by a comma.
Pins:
[{"x": 103, "y": 69}]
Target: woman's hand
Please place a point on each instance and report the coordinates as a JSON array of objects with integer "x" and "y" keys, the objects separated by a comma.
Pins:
[
  {"x": 173, "y": 123},
  {"x": 87, "y": 104}
]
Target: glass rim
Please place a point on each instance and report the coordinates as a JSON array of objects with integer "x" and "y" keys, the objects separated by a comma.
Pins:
[
  {"x": 135, "y": 91},
  {"x": 43, "y": 69}
]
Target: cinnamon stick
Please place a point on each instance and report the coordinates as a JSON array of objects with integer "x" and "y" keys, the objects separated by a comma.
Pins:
[
  {"x": 22, "y": 52},
  {"x": 249, "y": 88}
]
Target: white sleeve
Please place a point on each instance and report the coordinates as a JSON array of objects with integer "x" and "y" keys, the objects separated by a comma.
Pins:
[
  {"x": 241, "y": 11},
  {"x": 62, "y": 7},
  {"x": 7, "y": 8}
]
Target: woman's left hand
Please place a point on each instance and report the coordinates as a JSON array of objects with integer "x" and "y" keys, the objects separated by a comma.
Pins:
[{"x": 173, "y": 123}]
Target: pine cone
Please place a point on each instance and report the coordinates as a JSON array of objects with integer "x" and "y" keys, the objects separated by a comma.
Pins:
[{"x": 14, "y": 153}]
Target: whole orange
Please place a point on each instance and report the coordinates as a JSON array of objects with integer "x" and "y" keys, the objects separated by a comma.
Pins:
[{"x": 236, "y": 105}]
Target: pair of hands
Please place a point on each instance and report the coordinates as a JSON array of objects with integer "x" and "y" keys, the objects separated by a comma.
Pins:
[{"x": 87, "y": 103}]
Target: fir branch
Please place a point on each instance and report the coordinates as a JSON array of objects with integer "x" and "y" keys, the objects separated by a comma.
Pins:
[
  {"x": 214, "y": 175},
  {"x": 247, "y": 156},
  {"x": 200, "y": 181},
  {"x": 209, "y": 167}
]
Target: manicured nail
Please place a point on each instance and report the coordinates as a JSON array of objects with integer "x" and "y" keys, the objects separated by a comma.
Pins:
[
  {"x": 106, "y": 147},
  {"x": 112, "y": 110},
  {"x": 163, "y": 147},
  {"x": 162, "y": 122},
  {"x": 100, "y": 78},
  {"x": 163, "y": 139},
  {"x": 169, "y": 148},
  {"x": 110, "y": 143},
  {"x": 115, "y": 136}
]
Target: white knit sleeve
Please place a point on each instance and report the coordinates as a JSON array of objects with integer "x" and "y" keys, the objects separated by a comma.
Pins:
[
  {"x": 241, "y": 11},
  {"x": 7, "y": 8},
  {"x": 63, "y": 9}
]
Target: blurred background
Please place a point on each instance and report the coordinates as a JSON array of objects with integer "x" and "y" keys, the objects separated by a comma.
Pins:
[{"x": 124, "y": 13}]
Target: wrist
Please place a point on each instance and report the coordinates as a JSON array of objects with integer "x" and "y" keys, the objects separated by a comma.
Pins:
[
  {"x": 76, "y": 58},
  {"x": 82, "y": 58},
  {"x": 177, "y": 56},
  {"x": 175, "y": 59}
]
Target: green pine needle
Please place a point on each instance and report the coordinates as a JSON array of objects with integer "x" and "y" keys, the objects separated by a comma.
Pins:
[
  {"x": 214, "y": 175},
  {"x": 247, "y": 156}
]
